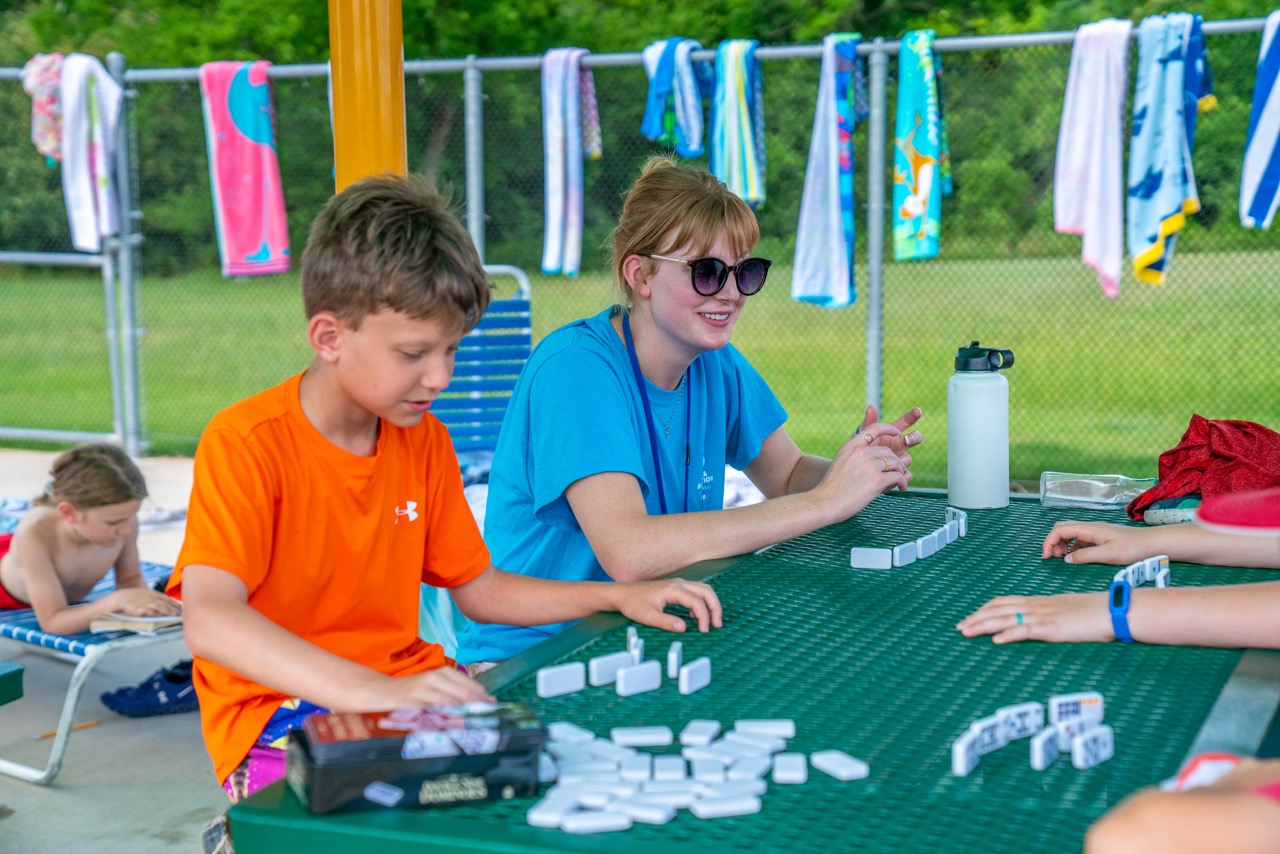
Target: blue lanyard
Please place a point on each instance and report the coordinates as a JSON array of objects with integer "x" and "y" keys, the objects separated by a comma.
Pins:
[{"x": 648, "y": 420}]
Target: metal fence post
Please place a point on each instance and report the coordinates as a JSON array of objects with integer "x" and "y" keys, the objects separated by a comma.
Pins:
[
  {"x": 473, "y": 113},
  {"x": 126, "y": 319},
  {"x": 879, "y": 62}
]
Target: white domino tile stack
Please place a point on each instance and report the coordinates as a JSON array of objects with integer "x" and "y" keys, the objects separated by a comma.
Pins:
[
  {"x": 713, "y": 776},
  {"x": 956, "y": 526},
  {"x": 604, "y": 785},
  {"x": 1074, "y": 727}
]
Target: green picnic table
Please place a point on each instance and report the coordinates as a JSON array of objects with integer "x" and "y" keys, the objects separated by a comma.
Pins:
[
  {"x": 10, "y": 682},
  {"x": 869, "y": 662}
]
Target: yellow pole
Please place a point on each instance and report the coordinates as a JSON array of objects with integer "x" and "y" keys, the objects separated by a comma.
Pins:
[{"x": 366, "y": 54}]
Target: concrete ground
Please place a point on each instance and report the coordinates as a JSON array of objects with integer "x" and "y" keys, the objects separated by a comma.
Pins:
[{"x": 127, "y": 785}]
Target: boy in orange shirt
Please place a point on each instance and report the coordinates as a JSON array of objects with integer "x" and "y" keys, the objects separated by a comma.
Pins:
[{"x": 320, "y": 505}]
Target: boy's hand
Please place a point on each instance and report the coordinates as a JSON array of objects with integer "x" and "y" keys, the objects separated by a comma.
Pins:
[
  {"x": 1064, "y": 618},
  {"x": 1093, "y": 542},
  {"x": 643, "y": 602},
  {"x": 900, "y": 441},
  {"x": 141, "y": 602},
  {"x": 443, "y": 686}
]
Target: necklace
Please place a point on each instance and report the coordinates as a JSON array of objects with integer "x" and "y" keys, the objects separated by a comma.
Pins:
[{"x": 666, "y": 425}]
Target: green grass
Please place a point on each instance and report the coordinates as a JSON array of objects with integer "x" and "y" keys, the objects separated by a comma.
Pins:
[{"x": 1098, "y": 386}]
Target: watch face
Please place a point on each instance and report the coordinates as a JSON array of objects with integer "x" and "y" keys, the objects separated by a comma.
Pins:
[{"x": 1119, "y": 593}]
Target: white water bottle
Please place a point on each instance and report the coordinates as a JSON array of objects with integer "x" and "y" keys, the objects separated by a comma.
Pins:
[{"x": 978, "y": 429}]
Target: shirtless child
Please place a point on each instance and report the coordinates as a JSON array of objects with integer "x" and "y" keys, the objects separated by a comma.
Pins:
[{"x": 85, "y": 523}]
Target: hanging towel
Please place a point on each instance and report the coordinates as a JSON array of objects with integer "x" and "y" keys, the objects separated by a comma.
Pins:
[
  {"x": 244, "y": 176},
  {"x": 917, "y": 188},
  {"x": 737, "y": 121},
  {"x": 1260, "y": 174},
  {"x": 90, "y": 109},
  {"x": 1088, "y": 176},
  {"x": 42, "y": 80},
  {"x": 944, "y": 141},
  {"x": 673, "y": 108},
  {"x": 1215, "y": 458},
  {"x": 570, "y": 129},
  {"x": 823, "y": 270},
  {"x": 1162, "y": 184}
]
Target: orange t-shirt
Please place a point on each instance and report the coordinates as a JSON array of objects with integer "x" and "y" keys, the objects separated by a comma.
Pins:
[{"x": 331, "y": 546}]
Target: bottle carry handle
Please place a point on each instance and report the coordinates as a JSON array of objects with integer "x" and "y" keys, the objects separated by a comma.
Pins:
[{"x": 1000, "y": 359}]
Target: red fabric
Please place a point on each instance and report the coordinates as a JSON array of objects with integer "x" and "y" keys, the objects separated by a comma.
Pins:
[
  {"x": 1215, "y": 458},
  {"x": 7, "y": 600}
]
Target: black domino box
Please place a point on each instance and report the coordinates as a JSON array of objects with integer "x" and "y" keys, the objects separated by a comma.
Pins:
[{"x": 430, "y": 756}]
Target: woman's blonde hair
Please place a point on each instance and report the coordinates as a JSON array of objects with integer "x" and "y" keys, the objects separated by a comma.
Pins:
[
  {"x": 92, "y": 476},
  {"x": 674, "y": 205}
]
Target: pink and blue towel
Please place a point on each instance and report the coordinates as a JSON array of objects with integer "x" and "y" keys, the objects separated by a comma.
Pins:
[
  {"x": 823, "y": 269},
  {"x": 1260, "y": 175},
  {"x": 737, "y": 121},
  {"x": 570, "y": 129},
  {"x": 248, "y": 200},
  {"x": 1173, "y": 86},
  {"x": 918, "y": 151}
]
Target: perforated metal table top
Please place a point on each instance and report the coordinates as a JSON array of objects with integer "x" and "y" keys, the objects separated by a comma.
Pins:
[{"x": 866, "y": 661}]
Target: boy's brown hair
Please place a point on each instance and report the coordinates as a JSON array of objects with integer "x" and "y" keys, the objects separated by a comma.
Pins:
[
  {"x": 96, "y": 475},
  {"x": 390, "y": 243}
]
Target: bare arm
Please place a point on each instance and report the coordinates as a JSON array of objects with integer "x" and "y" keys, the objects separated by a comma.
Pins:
[
  {"x": 495, "y": 596},
  {"x": 128, "y": 565},
  {"x": 1227, "y": 816},
  {"x": 631, "y": 545},
  {"x": 1099, "y": 542},
  {"x": 221, "y": 627},
  {"x": 48, "y": 597},
  {"x": 1232, "y": 616}
]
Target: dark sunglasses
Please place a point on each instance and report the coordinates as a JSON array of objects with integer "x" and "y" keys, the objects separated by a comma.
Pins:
[{"x": 709, "y": 275}]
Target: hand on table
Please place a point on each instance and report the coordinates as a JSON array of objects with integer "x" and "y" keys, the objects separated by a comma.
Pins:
[
  {"x": 643, "y": 602},
  {"x": 1096, "y": 542},
  {"x": 1063, "y": 618}
]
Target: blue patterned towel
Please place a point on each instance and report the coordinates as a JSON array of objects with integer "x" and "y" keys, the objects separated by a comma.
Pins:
[
  {"x": 1173, "y": 84},
  {"x": 737, "y": 121},
  {"x": 917, "y": 160}
]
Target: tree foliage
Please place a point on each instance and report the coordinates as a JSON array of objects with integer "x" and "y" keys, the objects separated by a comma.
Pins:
[{"x": 1003, "y": 107}]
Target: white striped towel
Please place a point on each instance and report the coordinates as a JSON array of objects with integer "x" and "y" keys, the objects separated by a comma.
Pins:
[
  {"x": 90, "y": 109},
  {"x": 1260, "y": 175},
  {"x": 823, "y": 270},
  {"x": 737, "y": 134},
  {"x": 1088, "y": 175},
  {"x": 570, "y": 126}
]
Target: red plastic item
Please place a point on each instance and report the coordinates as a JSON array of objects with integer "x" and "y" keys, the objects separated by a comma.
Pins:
[{"x": 1256, "y": 513}]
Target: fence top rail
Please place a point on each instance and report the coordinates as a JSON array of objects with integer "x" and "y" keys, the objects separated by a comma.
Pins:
[{"x": 606, "y": 60}]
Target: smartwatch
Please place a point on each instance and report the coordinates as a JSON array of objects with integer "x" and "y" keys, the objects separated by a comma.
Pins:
[{"x": 1118, "y": 602}]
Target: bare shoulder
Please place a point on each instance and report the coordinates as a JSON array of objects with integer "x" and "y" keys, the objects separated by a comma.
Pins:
[{"x": 39, "y": 526}]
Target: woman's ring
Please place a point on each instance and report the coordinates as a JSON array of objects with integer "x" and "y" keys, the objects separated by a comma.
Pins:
[
  {"x": 885, "y": 461},
  {"x": 1019, "y": 616}
]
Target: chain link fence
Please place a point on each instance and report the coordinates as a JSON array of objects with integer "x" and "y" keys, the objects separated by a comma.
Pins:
[{"x": 1099, "y": 386}]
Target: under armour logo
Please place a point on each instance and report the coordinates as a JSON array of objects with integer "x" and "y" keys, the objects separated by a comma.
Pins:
[{"x": 410, "y": 510}]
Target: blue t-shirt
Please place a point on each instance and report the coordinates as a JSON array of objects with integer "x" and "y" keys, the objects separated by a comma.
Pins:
[{"x": 576, "y": 412}]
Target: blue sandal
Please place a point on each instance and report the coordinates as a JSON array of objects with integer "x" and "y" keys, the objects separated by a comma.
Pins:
[{"x": 168, "y": 691}]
